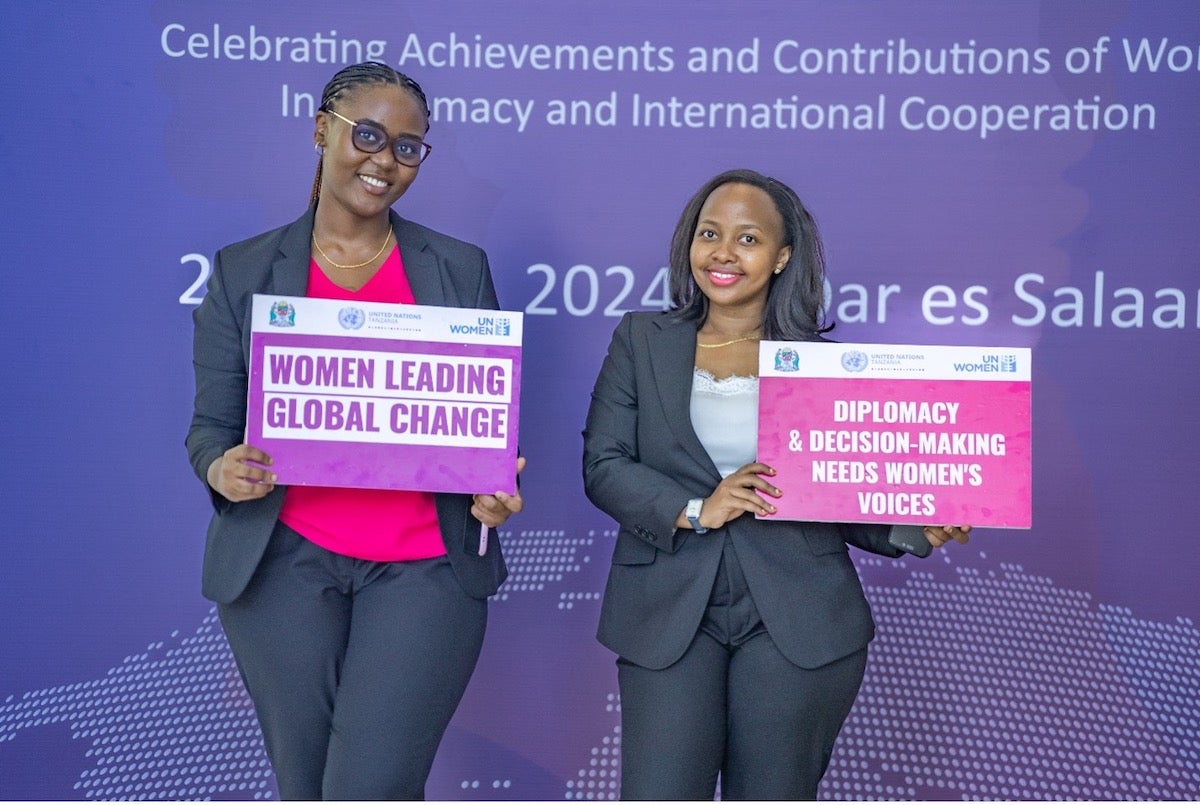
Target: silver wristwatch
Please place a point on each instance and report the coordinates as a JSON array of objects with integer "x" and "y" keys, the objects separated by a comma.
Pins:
[{"x": 692, "y": 513}]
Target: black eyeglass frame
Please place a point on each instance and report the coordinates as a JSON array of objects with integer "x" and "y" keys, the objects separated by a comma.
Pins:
[{"x": 384, "y": 141}]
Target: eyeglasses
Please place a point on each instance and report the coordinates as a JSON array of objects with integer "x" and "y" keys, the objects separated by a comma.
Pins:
[{"x": 370, "y": 138}]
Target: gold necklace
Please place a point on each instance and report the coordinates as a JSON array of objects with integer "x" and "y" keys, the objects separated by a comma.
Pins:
[
  {"x": 727, "y": 343},
  {"x": 386, "y": 239}
]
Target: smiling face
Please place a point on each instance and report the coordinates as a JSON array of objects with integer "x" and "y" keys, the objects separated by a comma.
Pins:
[
  {"x": 738, "y": 244},
  {"x": 366, "y": 185}
]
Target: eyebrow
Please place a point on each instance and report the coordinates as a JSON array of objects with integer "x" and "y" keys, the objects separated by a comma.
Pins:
[
  {"x": 742, "y": 227},
  {"x": 385, "y": 131}
]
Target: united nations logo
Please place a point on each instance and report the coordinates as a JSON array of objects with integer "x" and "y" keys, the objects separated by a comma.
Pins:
[
  {"x": 351, "y": 318},
  {"x": 854, "y": 361},
  {"x": 282, "y": 314},
  {"x": 787, "y": 360}
]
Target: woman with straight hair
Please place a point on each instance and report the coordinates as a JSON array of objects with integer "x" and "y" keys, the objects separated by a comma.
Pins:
[{"x": 741, "y": 641}]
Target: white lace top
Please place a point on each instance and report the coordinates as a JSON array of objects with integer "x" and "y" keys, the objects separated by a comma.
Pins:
[{"x": 725, "y": 418}]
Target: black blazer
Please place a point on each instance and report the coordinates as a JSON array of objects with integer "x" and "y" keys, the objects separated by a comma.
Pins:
[
  {"x": 441, "y": 270},
  {"x": 642, "y": 462}
]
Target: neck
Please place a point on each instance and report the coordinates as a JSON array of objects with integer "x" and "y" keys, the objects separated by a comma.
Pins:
[
  {"x": 726, "y": 324},
  {"x": 330, "y": 224}
]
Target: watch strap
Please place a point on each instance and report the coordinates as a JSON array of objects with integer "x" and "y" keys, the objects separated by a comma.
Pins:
[{"x": 692, "y": 514}]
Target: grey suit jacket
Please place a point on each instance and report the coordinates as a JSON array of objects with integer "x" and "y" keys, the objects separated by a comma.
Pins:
[
  {"x": 643, "y": 461},
  {"x": 441, "y": 271}
]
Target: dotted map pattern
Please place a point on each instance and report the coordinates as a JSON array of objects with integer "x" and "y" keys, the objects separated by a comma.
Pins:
[{"x": 1023, "y": 690}]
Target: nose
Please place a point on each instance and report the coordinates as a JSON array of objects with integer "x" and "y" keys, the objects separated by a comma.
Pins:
[
  {"x": 384, "y": 158},
  {"x": 722, "y": 251}
]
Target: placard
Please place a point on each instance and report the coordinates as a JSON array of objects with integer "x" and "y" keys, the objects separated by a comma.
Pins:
[
  {"x": 385, "y": 396},
  {"x": 879, "y": 433}
]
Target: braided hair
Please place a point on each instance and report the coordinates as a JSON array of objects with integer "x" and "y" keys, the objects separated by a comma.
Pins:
[{"x": 350, "y": 78}]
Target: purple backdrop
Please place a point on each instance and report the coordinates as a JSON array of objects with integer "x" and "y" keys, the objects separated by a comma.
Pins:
[{"x": 1008, "y": 173}]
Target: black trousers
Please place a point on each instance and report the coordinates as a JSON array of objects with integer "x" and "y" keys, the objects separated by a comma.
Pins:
[
  {"x": 355, "y": 667},
  {"x": 732, "y": 707}
]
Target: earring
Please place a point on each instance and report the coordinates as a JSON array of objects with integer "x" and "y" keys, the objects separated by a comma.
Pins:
[
  {"x": 779, "y": 271},
  {"x": 317, "y": 147}
]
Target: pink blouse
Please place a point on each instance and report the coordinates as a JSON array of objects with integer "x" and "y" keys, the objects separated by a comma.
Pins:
[{"x": 381, "y": 525}]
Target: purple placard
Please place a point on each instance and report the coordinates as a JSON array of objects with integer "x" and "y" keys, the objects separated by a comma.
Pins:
[{"x": 385, "y": 396}]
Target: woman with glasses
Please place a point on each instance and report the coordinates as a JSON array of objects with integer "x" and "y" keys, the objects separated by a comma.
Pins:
[
  {"x": 741, "y": 641},
  {"x": 356, "y": 616}
]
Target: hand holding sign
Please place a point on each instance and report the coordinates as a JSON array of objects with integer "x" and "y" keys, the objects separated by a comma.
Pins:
[
  {"x": 939, "y": 535},
  {"x": 920, "y": 541},
  {"x": 737, "y": 494},
  {"x": 493, "y": 510},
  {"x": 235, "y": 476}
]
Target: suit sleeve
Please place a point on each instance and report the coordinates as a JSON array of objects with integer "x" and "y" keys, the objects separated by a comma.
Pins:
[
  {"x": 642, "y": 498},
  {"x": 219, "y": 412}
]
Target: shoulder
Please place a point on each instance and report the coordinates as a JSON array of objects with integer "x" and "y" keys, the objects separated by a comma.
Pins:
[
  {"x": 641, "y": 332},
  {"x": 254, "y": 247},
  {"x": 647, "y": 327},
  {"x": 421, "y": 236},
  {"x": 248, "y": 266},
  {"x": 652, "y": 321}
]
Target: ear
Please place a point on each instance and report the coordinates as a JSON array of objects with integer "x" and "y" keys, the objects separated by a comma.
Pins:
[
  {"x": 785, "y": 254},
  {"x": 320, "y": 123}
]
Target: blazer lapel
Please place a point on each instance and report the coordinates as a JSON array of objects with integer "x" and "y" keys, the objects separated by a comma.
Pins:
[
  {"x": 673, "y": 356},
  {"x": 420, "y": 265},
  {"x": 289, "y": 272}
]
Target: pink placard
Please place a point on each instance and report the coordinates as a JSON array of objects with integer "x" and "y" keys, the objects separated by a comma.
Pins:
[{"x": 897, "y": 434}]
